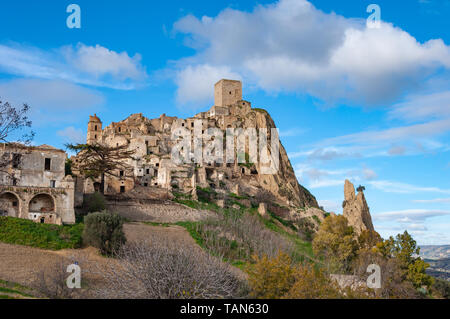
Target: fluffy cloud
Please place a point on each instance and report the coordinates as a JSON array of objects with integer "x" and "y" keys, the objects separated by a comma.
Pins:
[
  {"x": 292, "y": 46},
  {"x": 96, "y": 66},
  {"x": 321, "y": 178},
  {"x": 100, "y": 61},
  {"x": 195, "y": 82}
]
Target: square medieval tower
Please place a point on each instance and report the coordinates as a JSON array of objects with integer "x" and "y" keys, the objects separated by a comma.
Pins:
[{"x": 227, "y": 92}]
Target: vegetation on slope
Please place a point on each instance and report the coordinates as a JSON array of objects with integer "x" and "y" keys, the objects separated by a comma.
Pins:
[
  {"x": 9, "y": 290},
  {"x": 28, "y": 233}
]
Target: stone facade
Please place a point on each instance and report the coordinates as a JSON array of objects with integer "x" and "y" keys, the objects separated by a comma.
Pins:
[{"x": 34, "y": 186}]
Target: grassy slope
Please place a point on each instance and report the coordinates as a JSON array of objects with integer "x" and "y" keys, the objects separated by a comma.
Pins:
[
  {"x": 303, "y": 249},
  {"x": 9, "y": 290},
  {"x": 26, "y": 232}
]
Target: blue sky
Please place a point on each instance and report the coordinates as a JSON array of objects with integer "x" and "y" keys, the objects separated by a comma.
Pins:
[{"x": 371, "y": 105}]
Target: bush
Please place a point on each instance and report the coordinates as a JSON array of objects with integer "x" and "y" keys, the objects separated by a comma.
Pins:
[
  {"x": 163, "y": 269},
  {"x": 104, "y": 231},
  {"x": 271, "y": 278},
  {"x": 95, "y": 203},
  {"x": 278, "y": 277},
  {"x": 442, "y": 288},
  {"x": 313, "y": 283},
  {"x": 335, "y": 243}
]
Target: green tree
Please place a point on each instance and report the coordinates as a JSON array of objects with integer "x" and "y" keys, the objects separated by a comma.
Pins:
[
  {"x": 104, "y": 231},
  {"x": 97, "y": 160},
  {"x": 95, "y": 203},
  {"x": 335, "y": 243},
  {"x": 404, "y": 249}
]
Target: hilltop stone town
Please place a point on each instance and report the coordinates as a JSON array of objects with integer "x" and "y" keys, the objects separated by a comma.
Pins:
[{"x": 34, "y": 185}]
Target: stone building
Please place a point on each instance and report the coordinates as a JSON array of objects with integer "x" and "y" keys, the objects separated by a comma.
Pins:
[
  {"x": 33, "y": 184},
  {"x": 152, "y": 140}
]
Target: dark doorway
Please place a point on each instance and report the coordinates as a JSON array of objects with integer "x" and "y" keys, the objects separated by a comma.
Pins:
[{"x": 122, "y": 189}]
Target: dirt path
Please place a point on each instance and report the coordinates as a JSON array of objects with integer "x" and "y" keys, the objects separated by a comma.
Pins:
[{"x": 141, "y": 232}]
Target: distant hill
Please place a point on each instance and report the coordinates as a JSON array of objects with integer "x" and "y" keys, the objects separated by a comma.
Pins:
[
  {"x": 439, "y": 268},
  {"x": 435, "y": 251}
]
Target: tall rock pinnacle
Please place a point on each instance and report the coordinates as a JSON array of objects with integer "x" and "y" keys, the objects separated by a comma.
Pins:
[{"x": 356, "y": 209}]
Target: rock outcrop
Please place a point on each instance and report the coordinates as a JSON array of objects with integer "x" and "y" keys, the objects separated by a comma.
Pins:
[{"x": 356, "y": 209}]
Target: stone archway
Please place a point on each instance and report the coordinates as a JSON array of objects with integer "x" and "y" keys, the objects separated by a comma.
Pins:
[
  {"x": 41, "y": 203},
  {"x": 9, "y": 204}
]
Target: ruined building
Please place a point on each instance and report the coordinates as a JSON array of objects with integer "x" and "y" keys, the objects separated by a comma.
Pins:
[
  {"x": 33, "y": 184},
  {"x": 153, "y": 141}
]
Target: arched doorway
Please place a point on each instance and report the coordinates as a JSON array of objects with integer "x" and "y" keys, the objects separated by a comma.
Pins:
[
  {"x": 9, "y": 205},
  {"x": 42, "y": 203}
]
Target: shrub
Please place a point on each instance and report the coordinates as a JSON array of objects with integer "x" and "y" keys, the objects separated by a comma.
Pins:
[
  {"x": 312, "y": 283},
  {"x": 335, "y": 243},
  {"x": 442, "y": 288},
  {"x": 104, "y": 231},
  {"x": 95, "y": 203},
  {"x": 163, "y": 269},
  {"x": 271, "y": 278},
  {"x": 278, "y": 277}
]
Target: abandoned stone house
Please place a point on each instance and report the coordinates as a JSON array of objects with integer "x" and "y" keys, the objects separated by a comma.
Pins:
[
  {"x": 33, "y": 184},
  {"x": 152, "y": 141}
]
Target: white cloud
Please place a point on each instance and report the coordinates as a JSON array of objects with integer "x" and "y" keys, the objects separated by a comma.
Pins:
[
  {"x": 291, "y": 132},
  {"x": 432, "y": 201},
  {"x": 410, "y": 215},
  {"x": 392, "y": 135},
  {"x": 292, "y": 46},
  {"x": 96, "y": 66},
  {"x": 72, "y": 135},
  {"x": 401, "y": 140},
  {"x": 403, "y": 188},
  {"x": 101, "y": 61},
  {"x": 369, "y": 174},
  {"x": 331, "y": 205},
  {"x": 321, "y": 178},
  {"x": 195, "y": 83},
  {"x": 420, "y": 107}
]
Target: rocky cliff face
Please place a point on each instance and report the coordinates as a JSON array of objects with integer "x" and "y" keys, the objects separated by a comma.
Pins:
[
  {"x": 356, "y": 209},
  {"x": 284, "y": 184}
]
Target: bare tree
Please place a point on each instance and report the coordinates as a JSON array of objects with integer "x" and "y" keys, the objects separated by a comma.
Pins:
[
  {"x": 14, "y": 124},
  {"x": 97, "y": 160},
  {"x": 162, "y": 269}
]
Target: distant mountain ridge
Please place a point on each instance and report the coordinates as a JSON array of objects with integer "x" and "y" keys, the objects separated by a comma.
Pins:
[{"x": 435, "y": 251}]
